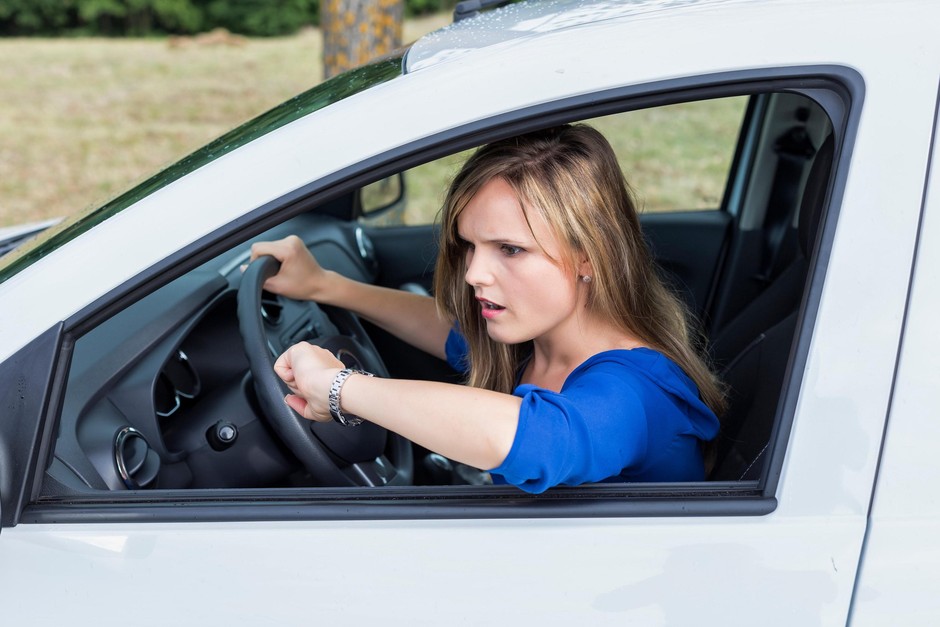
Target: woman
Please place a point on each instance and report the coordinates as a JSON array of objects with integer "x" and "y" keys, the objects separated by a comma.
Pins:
[{"x": 580, "y": 366}]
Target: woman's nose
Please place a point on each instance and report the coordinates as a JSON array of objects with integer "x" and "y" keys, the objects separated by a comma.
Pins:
[{"x": 478, "y": 272}]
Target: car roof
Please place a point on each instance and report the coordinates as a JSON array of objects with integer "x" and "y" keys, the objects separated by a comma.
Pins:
[
  {"x": 503, "y": 27},
  {"x": 538, "y": 17}
]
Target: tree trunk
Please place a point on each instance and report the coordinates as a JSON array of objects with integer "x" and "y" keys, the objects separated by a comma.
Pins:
[{"x": 356, "y": 31}]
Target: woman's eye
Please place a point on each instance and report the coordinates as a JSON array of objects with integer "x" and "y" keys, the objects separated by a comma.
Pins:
[{"x": 510, "y": 251}]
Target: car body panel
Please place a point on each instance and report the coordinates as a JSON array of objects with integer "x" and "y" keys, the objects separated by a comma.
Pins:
[
  {"x": 653, "y": 571},
  {"x": 902, "y": 566},
  {"x": 795, "y": 566}
]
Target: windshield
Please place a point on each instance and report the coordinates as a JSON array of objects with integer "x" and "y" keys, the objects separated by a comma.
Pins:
[{"x": 323, "y": 95}]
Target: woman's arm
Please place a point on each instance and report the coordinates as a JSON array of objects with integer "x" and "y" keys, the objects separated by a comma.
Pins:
[
  {"x": 411, "y": 317},
  {"x": 469, "y": 425}
]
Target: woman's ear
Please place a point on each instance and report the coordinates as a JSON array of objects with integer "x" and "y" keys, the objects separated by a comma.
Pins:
[{"x": 585, "y": 270}]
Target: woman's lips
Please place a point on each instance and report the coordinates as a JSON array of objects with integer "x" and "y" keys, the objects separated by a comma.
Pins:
[{"x": 489, "y": 309}]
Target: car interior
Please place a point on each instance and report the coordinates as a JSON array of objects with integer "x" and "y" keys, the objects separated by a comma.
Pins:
[{"x": 176, "y": 391}]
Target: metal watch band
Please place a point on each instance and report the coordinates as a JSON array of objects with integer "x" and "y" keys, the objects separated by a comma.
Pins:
[{"x": 336, "y": 387}]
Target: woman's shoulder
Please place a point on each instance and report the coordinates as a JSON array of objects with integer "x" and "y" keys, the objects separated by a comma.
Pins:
[
  {"x": 639, "y": 358},
  {"x": 649, "y": 377}
]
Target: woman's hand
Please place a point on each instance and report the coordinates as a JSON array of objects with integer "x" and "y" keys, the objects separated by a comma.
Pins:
[
  {"x": 308, "y": 371},
  {"x": 300, "y": 276}
]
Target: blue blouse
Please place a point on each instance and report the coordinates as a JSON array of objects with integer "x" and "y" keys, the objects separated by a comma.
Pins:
[{"x": 622, "y": 415}]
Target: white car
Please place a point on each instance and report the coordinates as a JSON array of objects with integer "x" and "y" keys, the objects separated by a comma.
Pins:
[{"x": 148, "y": 476}]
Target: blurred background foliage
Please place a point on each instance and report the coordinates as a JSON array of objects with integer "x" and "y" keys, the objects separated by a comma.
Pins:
[{"x": 141, "y": 18}]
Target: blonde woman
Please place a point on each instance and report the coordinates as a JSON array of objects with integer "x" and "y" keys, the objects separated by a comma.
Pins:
[{"x": 579, "y": 362}]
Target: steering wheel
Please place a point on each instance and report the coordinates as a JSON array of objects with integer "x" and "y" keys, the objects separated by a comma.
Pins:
[{"x": 336, "y": 455}]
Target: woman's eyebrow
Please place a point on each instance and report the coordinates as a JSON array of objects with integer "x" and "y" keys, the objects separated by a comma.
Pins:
[{"x": 498, "y": 240}]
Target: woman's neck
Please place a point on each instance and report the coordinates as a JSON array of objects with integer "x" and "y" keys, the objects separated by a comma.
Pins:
[{"x": 556, "y": 355}]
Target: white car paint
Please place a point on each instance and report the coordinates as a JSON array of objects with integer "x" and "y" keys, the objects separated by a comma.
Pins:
[
  {"x": 901, "y": 562},
  {"x": 800, "y": 565}
]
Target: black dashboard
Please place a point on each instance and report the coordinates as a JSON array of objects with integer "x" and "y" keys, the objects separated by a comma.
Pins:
[{"x": 160, "y": 395}]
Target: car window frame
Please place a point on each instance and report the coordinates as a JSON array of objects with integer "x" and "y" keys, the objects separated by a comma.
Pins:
[{"x": 840, "y": 90}]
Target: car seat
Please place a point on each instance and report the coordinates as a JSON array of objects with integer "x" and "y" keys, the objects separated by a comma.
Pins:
[{"x": 752, "y": 351}]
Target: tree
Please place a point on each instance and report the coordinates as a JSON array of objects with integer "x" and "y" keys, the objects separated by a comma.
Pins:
[{"x": 356, "y": 31}]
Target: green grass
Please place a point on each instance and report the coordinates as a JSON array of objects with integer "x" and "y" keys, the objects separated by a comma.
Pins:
[{"x": 82, "y": 120}]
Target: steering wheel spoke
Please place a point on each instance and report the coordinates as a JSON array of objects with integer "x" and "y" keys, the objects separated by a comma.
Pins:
[{"x": 378, "y": 472}]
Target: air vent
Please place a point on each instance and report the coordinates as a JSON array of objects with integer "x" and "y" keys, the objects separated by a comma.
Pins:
[
  {"x": 137, "y": 464},
  {"x": 271, "y": 308}
]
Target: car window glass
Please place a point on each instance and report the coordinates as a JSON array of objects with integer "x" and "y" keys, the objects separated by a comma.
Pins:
[{"x": 675, "y": 157}]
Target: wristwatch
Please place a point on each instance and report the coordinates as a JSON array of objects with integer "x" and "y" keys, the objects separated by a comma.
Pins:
[{"x": 348, "y": 420}]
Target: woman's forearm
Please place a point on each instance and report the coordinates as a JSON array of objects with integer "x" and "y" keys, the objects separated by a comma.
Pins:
[
  {"x": 411, "y": 317},
  {"x": 469, "y": 425}
]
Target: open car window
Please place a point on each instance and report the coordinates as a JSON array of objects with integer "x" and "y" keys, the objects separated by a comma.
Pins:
[{"x": 161, "y": 396}]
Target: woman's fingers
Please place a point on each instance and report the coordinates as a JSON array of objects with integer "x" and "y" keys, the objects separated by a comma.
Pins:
[
  {"x": 303, "y": 408},
  {"x": 308, "y": 371},
  {"x": 279, "y": 249},
  {"x": 300, "y": 276},
  {"x": 283, "y": 368}
]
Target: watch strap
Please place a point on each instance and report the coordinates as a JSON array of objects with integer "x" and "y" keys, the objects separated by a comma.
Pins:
[{"x": 348, "y": 420}]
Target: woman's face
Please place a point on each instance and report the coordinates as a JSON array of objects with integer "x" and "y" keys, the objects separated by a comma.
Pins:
[{"x": 522, "y": 290}]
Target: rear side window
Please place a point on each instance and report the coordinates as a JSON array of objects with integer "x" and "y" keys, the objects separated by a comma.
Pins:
[{"x": 676, "y": 158}]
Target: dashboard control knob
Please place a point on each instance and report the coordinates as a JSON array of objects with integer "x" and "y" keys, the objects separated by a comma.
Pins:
[{"x": 222, "y": 435}]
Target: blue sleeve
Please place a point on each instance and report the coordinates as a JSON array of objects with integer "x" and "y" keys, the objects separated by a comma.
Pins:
[
  {"x": 457, "y": 351},
  {"x": 592, "y": 430}
]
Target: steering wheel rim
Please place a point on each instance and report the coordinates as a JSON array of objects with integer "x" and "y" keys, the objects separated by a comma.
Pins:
[{"x": 334, "y": 454}]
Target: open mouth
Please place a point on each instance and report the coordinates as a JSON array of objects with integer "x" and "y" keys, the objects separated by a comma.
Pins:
[{"x": 489, "y": 305}]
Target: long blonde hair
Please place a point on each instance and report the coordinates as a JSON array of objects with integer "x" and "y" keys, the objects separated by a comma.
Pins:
[{"x": 570, "y": 175}]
